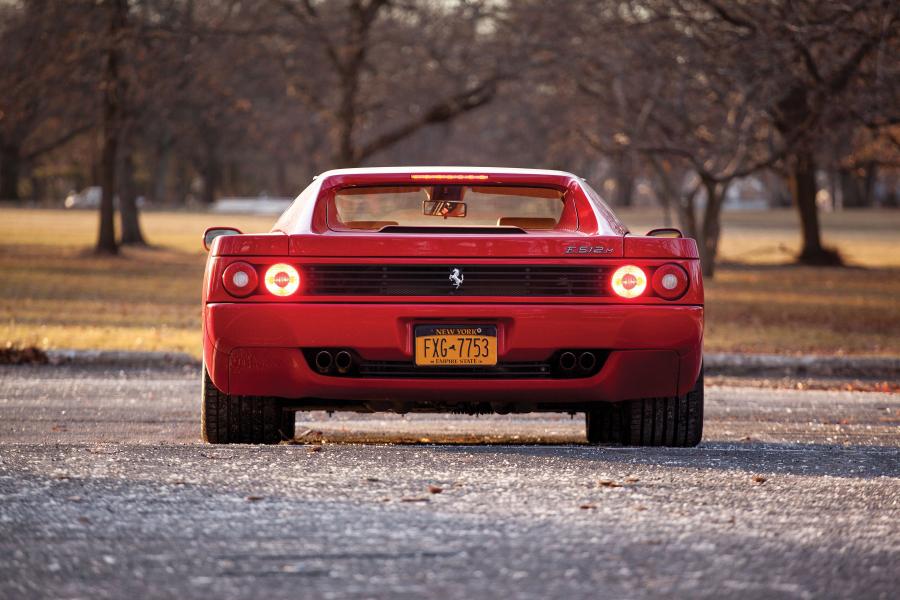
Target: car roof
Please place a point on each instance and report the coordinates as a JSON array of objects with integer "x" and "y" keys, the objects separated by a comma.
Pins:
[{"x": 437, "y": 169}]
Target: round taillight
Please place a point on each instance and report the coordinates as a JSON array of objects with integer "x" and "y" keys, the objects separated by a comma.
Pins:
[
  {"x": 629, "y": 281},
  {"x": 670, "y": 282},
  {"x": 282, "y": 279},
  {"x": 240, "y": 279}
]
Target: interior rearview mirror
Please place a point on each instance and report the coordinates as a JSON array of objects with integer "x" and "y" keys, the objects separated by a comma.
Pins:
[
  {"x": 443, "y": 208},
  {"x": 213, "y": 232}
]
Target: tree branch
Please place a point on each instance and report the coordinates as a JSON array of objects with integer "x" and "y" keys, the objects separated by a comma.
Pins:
[{"x": 442, "y": 112}]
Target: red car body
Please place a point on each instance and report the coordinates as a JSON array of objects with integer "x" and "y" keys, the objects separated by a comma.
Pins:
[{"x": 261, "y": 345}]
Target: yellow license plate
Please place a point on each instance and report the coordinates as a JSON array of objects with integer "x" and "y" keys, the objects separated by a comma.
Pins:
[{"x": 456, "y": 345}]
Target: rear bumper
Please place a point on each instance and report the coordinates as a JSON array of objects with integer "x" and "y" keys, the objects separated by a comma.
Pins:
[{"x": 254, "y": 349}]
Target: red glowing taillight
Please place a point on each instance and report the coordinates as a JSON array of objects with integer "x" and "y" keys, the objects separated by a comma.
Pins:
[
  {"x": 282, "y": 279},
  {"x": 240, "y": 279},
  {"x": 670, "y": 282},
  {"x": 628, "y": 281}
]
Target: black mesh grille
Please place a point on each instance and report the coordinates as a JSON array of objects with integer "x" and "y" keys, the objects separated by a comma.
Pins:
[{"x": 435, "y": 280}]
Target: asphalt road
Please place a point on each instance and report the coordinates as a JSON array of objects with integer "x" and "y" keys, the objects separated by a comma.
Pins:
[{"x": 105, "y": 492}]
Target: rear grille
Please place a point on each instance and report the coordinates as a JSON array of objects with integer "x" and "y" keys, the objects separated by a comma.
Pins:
[{"x": 435, "y": 280}]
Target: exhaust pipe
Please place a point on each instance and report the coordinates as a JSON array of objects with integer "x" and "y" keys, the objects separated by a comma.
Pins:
[
  {"x": 343, "y": 361},
  {"x": 324, "y": 361},
  {"x": 567, "y": 361},
  {"x": 587, "y": 361}
]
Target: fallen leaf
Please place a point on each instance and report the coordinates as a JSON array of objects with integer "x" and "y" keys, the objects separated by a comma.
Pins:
[
  {"x": 435, "y": 489},
  {"x": 631, "y": 479},
  {"x": 254, "y": 498},
  {"x": 84, "y": 520},
  {"x": 315, "y": 448},
  {"x": 608, "y": 483},
  {"x": 372, "y": 479},
  {"x": 759, "y": 479},
  {"x": 414, "y": 500},
  {"x": 588, "y": 506}
]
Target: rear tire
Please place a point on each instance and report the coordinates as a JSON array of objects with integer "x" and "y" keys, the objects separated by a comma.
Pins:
[
  {"x": 676, "y": 421},
  {"x": 226, "y": 419}
]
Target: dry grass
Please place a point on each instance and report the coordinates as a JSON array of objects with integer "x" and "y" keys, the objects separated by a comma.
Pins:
[{"x": 56, "y": 294}]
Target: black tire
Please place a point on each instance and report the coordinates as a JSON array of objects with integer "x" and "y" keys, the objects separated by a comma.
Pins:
[
  {"x": 675, "y": 421},
  {"x": 228, "y": 419}
]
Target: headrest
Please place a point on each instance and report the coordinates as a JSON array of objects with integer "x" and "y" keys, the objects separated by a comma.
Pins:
[{"x": 527, "y": 222}]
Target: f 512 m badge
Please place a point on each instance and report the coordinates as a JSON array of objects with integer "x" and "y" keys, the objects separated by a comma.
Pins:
[{"x": 588, "y": 250}]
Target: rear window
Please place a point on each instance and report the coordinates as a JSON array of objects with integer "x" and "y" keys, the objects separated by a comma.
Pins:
[{"x": 376, "y": 207}]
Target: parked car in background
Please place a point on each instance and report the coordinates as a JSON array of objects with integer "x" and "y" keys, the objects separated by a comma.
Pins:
[{"x": 90, "y": 198}]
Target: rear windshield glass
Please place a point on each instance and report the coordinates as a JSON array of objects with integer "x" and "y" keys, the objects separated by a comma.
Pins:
[{"x": 373, "y": 208}]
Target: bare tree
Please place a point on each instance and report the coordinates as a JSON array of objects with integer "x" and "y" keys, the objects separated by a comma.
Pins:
[
  {"x": 112, "y": 123},
  {"x": 367, "y": 79}
]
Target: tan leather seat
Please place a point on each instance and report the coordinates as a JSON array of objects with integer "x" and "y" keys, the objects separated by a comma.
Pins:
[
  {"x": 369, "y": 225},
  {"x": 527, "y": 222}
]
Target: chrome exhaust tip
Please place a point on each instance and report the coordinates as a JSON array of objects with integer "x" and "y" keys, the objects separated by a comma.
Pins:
[
  {"x": 587, "y": 361},
  {"x": 343, "y": 361},
  {"x": 324, "y": 361},
  {"x": 567, "y": 361}
]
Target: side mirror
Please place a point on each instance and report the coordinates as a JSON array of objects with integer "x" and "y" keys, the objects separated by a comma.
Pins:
[
  {"x": 213, "y": 232},
  {"x": 665, "y": 232}
]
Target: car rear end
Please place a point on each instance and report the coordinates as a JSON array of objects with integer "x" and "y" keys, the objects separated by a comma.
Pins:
[{"x": 424, "y": 313}]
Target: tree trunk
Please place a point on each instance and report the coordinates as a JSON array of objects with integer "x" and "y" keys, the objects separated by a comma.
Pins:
[
  {"x": 624, "y": 174},
  {"x": 346, "y": 114},
  {"x": 161, "y": 172},
  {"x": 850, "y": 192},
  {"x": 211, "y": 174},
  {"x": 112, "y": 109},
  {"x": 803, "y": 181},
  {"x": 709, "y": 238},
  {"x": 687, "y": 214},
  {"x": 281, "y": 185},
  {"x": 869, "y": 184},
  {"x": 129, "y": 216},
  {"x": 10, "y": 161}
]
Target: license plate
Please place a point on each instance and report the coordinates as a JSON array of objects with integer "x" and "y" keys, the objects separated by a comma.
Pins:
[{"x": 456, "y": 345}]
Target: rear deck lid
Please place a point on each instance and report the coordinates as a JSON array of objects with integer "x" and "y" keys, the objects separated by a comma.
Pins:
[{"x": 456, "y": 245}]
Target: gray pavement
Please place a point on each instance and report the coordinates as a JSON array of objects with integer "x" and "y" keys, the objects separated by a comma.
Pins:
[{"x": 105, "y": 492}]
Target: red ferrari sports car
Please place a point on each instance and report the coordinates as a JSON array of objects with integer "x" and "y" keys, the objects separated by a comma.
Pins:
[{"x": 470, "y": 290}]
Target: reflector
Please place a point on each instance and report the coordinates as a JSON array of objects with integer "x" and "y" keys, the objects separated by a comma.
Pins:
[
  {"x": 670, "y": 281},
  {"x": 240, "y": 279}
]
